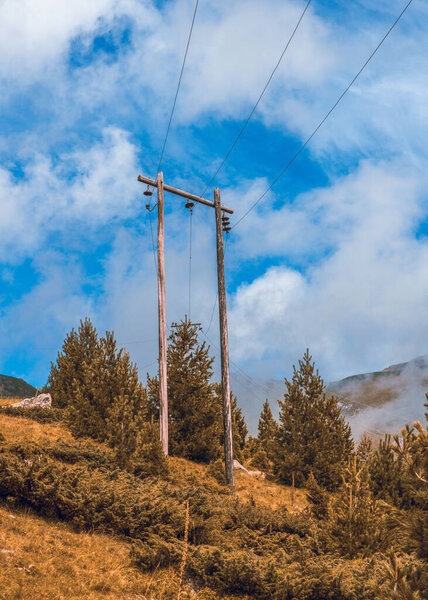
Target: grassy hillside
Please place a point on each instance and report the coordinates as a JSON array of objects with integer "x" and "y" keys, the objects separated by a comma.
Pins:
[
  {"x": 48, "y": 559},
  {"x": 12, "y": 387},
  {"x": 74, "y": 526}
]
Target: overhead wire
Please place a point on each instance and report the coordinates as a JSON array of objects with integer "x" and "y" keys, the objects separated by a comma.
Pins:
[
  {"x": 190, "y": 260},
  {"x": 244, "y": 126},
  {"x": 321, "y": 123},
  {"x": 250, "y": 379},
  {"x": 153, "y": 242},
  {"x": 178, "y": 86},
  {"x": 216, "y": 298}
]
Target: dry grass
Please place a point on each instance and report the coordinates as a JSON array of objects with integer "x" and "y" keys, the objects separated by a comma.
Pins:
[
  {"x": 268, "y": 493},
  {"x": 9, "y": 401},
  {"x": 19, "y": 429},
  {"x": 247, "y": 487},
  {"x": 43, "y": 560}
]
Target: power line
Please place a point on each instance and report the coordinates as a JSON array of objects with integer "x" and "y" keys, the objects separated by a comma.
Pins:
[
  {"x": 212, "y": 312},
  {"x": 190, "y": 260},
  {"x": 216, "y": 297},
  {"x": 229, "y": 152},
  {"x": 291, "y": 161},
  {"x": 137, "y": 342},
  {"x": 178, "y": 86},
  {"x": 250, "y": 379},
  {"x": 153, "y": 242}
]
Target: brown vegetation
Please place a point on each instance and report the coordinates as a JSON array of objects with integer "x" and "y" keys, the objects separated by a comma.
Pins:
[{"x": 9, "y": 401}]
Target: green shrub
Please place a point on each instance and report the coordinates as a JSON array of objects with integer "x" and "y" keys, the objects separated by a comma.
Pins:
[{"x": 154, "y": 552}]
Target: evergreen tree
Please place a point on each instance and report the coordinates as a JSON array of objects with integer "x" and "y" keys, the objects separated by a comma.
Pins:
[
  {"x": 364, "y": 449},
  {"x": 357, "y": 524},
  {"x": 312, "y": 434},
  {"x": 89, "y": 377},
  {"x": 239, "y": 429},
  {"x": 67, "y": 374},
  {"x": 268, "y": 431},
  {"x": 412, "y": 450},
  {"x": 318, "y": 497},
  {"x": 194, "y": 424},
  {"x": 125, "y": 422},
  {"x": 195, "y": 408},
  {"x": 386, "y": 473}
]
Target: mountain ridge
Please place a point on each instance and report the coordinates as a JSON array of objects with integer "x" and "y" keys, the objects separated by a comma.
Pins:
[
  {"x": 395, "y": 389},
  {"x": 15, "y": 387}
]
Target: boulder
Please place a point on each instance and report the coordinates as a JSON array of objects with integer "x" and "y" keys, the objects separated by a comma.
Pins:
[
  {"x": 41, "y": 401},
  {"x": 238, "y": 467}
]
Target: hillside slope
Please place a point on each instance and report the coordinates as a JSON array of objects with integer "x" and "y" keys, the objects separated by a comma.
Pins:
[
  {"x": 41, "y": 557},
  {"x": 12, "y": 387}
]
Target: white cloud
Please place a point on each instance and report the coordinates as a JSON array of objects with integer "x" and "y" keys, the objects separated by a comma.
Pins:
[
  {"x": 80, "y": 191},
  {"x": 364, "y": 302},
  {"x": 35, "y": 35}
]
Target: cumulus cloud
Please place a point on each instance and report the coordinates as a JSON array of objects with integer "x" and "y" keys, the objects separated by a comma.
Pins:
[
  {"x": 35, "y": 36},
  {"x": 76, "y": 193},
  {"x": 349, "y": 278},
  {"x": 362, "y": 301}
]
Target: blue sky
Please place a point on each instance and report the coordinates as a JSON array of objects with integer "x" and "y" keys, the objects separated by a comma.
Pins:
[{"x": 335, "y": 256}]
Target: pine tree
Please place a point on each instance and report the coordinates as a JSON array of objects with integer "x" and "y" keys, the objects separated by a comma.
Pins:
[
  {"x": 81, "y": 347},
  {"x": 386, "y": 473},
  {"x": 312, "y": 434},
  {"x": 357, "y": 523},
  {"x": 194, "y": 424},
  {"x": 125, "y": 422},
  {"x": 194, "y": 403},
  {"x": 239, "y": 426},
  {"x": 364, "y": 448},
  {"x": 411, "y": 448},
  {"x": 268, "y": 431},
  {"x": 89, "y": 377}
]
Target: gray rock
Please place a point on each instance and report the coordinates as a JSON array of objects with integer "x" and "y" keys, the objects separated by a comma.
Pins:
[{"x": 41, "y": 401}]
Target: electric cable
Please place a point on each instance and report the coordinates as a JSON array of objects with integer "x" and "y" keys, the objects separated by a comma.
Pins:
[
  {"x": 190, "y": 260},
  {"x": 216, "y": 298},
  {"x": 251, "y": 380},
  {"x": 229, "y": 152},
  {"x": 153, "y": 242},
  {"x": 320, "y": 124},
  {"x": 137, "y": 342},
  {"x": 178, "y": 86}
]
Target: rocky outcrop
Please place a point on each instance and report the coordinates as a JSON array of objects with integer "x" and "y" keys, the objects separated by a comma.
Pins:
[
  {"x": 238, "y": 467},
  {"x": 40, "y": 401}
]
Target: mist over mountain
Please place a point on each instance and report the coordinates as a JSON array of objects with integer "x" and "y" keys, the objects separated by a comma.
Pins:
[{"x": 382, "y": 401}]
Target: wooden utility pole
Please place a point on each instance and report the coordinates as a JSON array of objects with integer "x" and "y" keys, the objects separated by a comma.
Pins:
[
  {"x": 163, "y": 382},
  {"x": 163, "y": 387},
  {"x": 224, "y": 346}
]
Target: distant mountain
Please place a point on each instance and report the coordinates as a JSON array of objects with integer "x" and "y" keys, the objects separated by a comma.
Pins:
[
  {"x": 12, "y": 387},
  {"x": 380, "y": 387},
  {"x": 380, "y": 401}
]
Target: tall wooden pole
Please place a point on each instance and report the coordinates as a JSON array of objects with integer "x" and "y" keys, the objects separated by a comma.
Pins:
[
  {"x": 163, "y": 383},
  {"x": 224, "y": 345}
]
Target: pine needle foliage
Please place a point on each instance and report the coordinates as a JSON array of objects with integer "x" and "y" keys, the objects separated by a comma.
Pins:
[
  {"x": 193, "y": 410},
  {"x": 268, "y": 432},
  {"x": 194, "y": 401},
  {"x": 312, "y": 435},
  {"x": 97, "y": 386},
  {"x": 357, "y": 521},
  {"x": 386, "y": 473}
]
